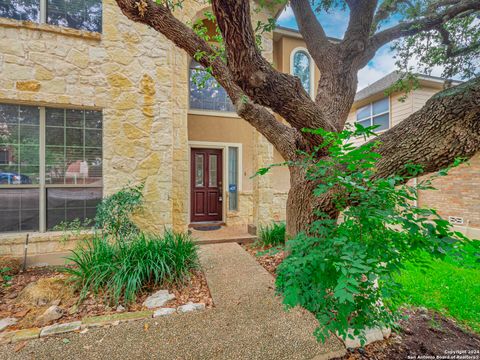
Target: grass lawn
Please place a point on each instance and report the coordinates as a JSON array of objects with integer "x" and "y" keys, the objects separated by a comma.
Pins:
[{"x": 449, "y": 286}]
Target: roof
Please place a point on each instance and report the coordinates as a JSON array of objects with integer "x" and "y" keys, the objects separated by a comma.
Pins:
[{"x": 388, "y": 80}]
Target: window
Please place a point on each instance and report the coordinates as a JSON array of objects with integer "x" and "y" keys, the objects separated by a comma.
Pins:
[
  {"x": 376, "y": 113},
  {"x": 205, "y": 92},
  {"x": 51, "y": 167},
  {"x": 232, "y": 178},
  {"x": 302, "y": 68},
  {"x": 76, "y": 14}
]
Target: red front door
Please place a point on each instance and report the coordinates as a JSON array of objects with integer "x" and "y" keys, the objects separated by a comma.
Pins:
[{"x": 206, "y": 185}]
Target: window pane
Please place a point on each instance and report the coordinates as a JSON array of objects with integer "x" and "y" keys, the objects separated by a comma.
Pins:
[
  {"x": 381, "y": 120},
  {"x": 68, "y": 204},
  {"x": 77, "y": 14},
  {"x": 20, "y": 9},
  {"x": 212, "y": 171},
  {"x": 380, "y": 106},
  {"x": 206, "y": 93},
  {"x": 19, "y": 144},
  {"x": 19, "y": 210},
  {"x": 301, "y": 69},
  {"x": 73, "y": 147},
  {"x": 233, "y": 178},
  {"x": 365, "y": 123},
  {"x": 363, "y": 112},
  {"x": 199, "y": 175}
]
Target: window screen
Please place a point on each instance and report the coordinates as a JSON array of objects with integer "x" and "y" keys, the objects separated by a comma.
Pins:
[
  {"x": 19, "y": 210},
  {"x": 206, "y": 93},
  {"x": 68, "y": 204}
]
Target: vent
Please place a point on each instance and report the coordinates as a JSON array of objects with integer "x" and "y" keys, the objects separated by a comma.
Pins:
[{"x": 455, "y": 220}]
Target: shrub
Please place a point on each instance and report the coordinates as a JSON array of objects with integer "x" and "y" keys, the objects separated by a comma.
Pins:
[
  {"x": 343, "y": 272},
  {"x": 114, "y": 213},
  {"x": 121, "y": 269},
  {"x": 272, "y": 235}
]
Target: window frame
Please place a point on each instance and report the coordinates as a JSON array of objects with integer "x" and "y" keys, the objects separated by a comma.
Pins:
[
  {"x": 205, "y": 112},
  {"x": 42, "y": 186},
  {"x": 371, "y": 116},
  {"x": 312, "y": 67}
]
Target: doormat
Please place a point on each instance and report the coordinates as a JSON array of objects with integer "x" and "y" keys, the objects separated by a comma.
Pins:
[{"x": 207, "y": 228}]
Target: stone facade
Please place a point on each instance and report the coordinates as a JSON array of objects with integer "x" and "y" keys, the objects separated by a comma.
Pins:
[{"x": 139, "y": 80}]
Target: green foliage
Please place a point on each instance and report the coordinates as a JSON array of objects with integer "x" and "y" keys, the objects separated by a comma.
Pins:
[
  {"x": 449, "y": 286},
  {"x": 271, "y": 235},
  {"x": 73, "y": 229},
  {"x": 119, "y": 270},
  {"x": 343, "y": 271},
  {"x": 114, "y": 213},
  {"x": 5, "y": 275}
]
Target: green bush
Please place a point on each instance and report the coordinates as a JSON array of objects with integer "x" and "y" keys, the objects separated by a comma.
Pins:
[
  {"x": 119, "y": 270},
  {"x": 271, "y": 235},
  {"x": 114, "y": 213},
  {"x": 344, "y": 272}
]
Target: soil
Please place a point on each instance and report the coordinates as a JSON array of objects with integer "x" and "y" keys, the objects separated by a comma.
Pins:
[
  {"x": 55, "y": 289},
  {"x": 268, "y": 261},
  {"x": 423, "y": 334}
]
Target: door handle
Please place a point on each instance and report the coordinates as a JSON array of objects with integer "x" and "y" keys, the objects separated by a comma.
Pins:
[{"x": 220, "y": 198}]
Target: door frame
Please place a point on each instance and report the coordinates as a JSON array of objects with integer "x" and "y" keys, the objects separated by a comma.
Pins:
[{"x": 224, "y": 147}]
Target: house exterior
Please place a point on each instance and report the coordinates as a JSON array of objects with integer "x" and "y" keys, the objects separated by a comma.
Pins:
[
  {"x": 91, "y": 102},
  {"x": 457, "y": 197}
]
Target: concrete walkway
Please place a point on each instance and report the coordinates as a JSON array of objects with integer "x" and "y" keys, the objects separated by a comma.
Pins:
[{"x": 248, "y": 322}]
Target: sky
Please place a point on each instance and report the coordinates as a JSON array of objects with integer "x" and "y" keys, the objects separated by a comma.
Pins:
[{"x": 335, "y": 23}]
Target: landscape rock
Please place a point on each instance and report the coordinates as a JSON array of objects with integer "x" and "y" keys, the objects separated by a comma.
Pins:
[
  {"x": 120, "y": 308},
  {"x": 60, "y": 328},
  {"x": 371, "y": 335},
  {"x": 164, "y": 312},
  {"x": 158, "y": 299},
  {"x": 190, "y": 306},
  {"x": 103, "y": 320},
  {"x": 6, "y": 322},
  {"x": 53, "y": 313}
]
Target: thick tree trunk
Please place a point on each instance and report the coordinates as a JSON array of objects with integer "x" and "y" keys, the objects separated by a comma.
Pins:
[{"x": 302, "y": 205}]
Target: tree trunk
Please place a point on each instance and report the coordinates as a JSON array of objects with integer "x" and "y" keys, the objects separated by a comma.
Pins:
[{"x": 302, "y": 205}]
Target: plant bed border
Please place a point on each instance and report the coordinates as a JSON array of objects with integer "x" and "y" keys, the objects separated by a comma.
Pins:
[{"x": 7, "y": 337}]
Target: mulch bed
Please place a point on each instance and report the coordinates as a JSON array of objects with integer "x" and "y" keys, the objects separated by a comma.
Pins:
[
  {"x": 422, "y": 334},
  {"x": 13, "y": 303}
]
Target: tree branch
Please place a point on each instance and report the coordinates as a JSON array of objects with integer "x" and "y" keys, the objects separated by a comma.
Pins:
[
  {"x": 430, "y": 21},
  {"x": 162, "y": 20},
  {"x": 318, "y": 44},
  {"x": 447, "y": 127},
  {"x": 359, "y": 25},
  {"x": 283, "y": 93}
]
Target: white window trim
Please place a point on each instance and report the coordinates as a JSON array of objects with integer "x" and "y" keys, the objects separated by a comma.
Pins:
[
  {"x": 42, "y": 186},
  {"x": 312, "y": 68},
  {"x": 224, "y": 147},
  {"x": 371, "y": 116}
]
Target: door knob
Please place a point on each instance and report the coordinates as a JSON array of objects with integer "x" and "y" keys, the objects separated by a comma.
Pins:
[{"x": 220, "y": 198}]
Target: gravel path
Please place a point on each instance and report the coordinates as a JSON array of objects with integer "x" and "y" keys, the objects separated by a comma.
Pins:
[{"x": 248, "y": 322}]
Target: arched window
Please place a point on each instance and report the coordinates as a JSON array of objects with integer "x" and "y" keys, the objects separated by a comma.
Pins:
[
  {"x": 301, "y": 68},
  {"x": 205, "y": 92}
]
